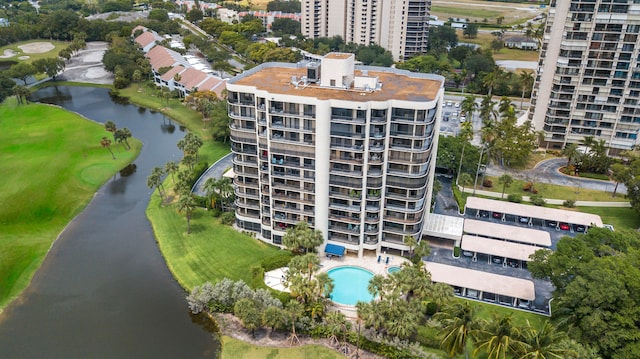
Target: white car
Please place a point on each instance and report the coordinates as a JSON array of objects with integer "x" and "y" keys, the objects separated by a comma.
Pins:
[
  {"x": 456, "y": 105},
  {"x": 462, "y": 119},
  {"x": 448, "y": 104},
  {"x": 454, "y": 114}
]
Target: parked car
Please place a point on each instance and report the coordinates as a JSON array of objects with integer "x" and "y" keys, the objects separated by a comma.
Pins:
[
  {"x": 497, "y": 215},
  {"x": 497, "y": 260},
  {"x": 580, "y": 228},
  {"x": 609, "y": 227},
  {"x": 523, "y": 219},
  {"x": 564, "y": 226},
  {"x": 552, "y": 224},
  {"x": 462, "y": 119},
  {"x": 448, "y": 104},
  {"x": 467, "y": 254},
  {"x": 456, "y": 105},
  {"x": 513, "y": 263},
  {"x": 524, "y": 304}
]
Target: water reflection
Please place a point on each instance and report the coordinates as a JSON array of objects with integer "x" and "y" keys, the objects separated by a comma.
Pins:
[{"x": 104, "y": 290}]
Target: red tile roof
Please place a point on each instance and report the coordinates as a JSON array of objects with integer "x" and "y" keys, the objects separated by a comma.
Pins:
[
  {"x": 171, "y": 73},
  {"x": 160, "y": 57}
]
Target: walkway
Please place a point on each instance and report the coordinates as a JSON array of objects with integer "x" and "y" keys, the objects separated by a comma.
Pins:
[
  {"x": 552, "y": 200},
  {"x": 216, "y": 170}
]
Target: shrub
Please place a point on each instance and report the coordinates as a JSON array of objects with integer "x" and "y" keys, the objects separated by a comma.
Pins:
[
  {"x": 216, "y": 212},
  {"x": 515, "y": 198},
  {"x": 537, "y": 200},
  {"x": 276, "y": 261},
  {"x": 227, "y": 218},
  {"x": 570, "y": 203},
  {"x": 487, "y": 183}
]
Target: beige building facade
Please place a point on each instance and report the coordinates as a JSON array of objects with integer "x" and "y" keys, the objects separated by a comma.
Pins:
[
  {"x": 400, "y": 26},
  {"x": 348, "y": 149},
  {"x": 588, "y": 81}
]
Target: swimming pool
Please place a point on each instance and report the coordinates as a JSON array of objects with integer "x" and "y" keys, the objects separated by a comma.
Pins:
[
  {"x": 350, "y": 285},
  {"x": 392, "y": 269}
]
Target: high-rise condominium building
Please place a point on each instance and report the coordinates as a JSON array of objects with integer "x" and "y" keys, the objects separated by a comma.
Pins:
[
  {"x": 589, "y": 74},
  {"x": 400, "y": 26},
  {"x": 349, "y": 150}
]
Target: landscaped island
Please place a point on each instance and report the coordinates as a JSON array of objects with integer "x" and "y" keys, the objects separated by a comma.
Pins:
[{"x": 52, "y": 164}]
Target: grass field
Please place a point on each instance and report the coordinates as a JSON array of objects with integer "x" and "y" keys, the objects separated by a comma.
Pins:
[
  {"x": 555, "y": 191},
  {"x": 476, "y": 10},
  {"x": 619, "y": 217},
  {"x": 237, "y": 349},
  {"x": 211, "y": 252},
  {"x": 52, "y": 163},
  {"x": 58, "y": 45}
]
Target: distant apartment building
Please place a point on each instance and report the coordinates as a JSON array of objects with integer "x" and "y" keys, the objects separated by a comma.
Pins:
[
  {"x": 588, "y": 80},
  {"x": 348, "y": 149},
  {"x": 400, "y": 26}
]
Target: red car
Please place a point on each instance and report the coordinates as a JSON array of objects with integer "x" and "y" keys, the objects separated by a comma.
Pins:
[
  {"x": 497, "y": 215},
  {"x": 564, "y": 226}
]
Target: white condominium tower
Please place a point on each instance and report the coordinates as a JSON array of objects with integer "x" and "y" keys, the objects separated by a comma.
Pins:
[
  {"x": 400, "y": 26},
  {"x": 589, "y": 74},
  {"x": 350, "y": 150}
]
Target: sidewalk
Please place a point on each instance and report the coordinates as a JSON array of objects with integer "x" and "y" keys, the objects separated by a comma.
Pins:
[{"x": 552, "y": 200}]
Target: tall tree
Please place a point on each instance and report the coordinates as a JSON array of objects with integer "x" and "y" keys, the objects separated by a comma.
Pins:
[
  {"x": 498, "y": 338},
  {"x": 110, "y": 126},
  {"x": 464, "y": 180},
  {"x": 186, "y": 205},
  {"x": 302, "y": 238},
  {"x": 526, "y": 82},
  {"x": 545, "y": 342},
  {"x": 106, "y": 143},
  {"x": 506, "y": 180},
  {"x": 571, "y": 152},
  {"x": 171, "y": 168},
  {"x": 459, "y": 324}
]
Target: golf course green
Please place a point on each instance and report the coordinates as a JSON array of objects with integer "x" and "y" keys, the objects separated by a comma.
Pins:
[{"x": 52, "y": 164}]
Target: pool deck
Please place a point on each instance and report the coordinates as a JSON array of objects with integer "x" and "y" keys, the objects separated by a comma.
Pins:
[{"x": 274, "y": 278}]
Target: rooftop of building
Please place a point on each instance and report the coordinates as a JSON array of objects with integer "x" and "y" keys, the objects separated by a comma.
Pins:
[{"x": 277, "y": 78}]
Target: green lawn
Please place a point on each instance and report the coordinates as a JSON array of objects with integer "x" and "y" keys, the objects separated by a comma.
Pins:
[
  {"x": 52, "y": 164},
  {"x": 236, "y": 349},
  {"x": 619, "y": 217},
  {"x": 211, "y": 252},
  {"x": 553, "y": 191},
  {"x": 59, "y": 45}
]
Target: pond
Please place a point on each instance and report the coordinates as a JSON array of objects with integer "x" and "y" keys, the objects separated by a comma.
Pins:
[{"x": 104, "y": 290}]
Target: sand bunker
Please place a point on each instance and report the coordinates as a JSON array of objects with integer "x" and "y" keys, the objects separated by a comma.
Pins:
[
  {"x": 23, "y": 57},
  {"x": 8, "y": 53},
  {"x": 37, "y": 47}
]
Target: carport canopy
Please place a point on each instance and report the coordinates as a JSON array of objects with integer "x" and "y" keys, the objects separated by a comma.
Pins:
[
  {"x": 334, "y": 250},
  {"x": 497, "y": 247},
  {"x": 512, "y": 233},
  {"x": 482, "y": 281},
  {"x": 524, "y": 210},
  {"x": 441, "y": 226}
]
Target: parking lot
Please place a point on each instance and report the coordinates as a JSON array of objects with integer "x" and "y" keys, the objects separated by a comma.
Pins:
[{"x": 450, "y": 117}]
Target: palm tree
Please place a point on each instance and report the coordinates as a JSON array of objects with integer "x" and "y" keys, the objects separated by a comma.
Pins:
[
  {"x": 487, "y": 111},
  {"x": 411, "y": 242},
  {"x": 186, "y": 205},
  {"x": 466, "y": 134},
  {"x": 211, "y": 188},
  {"x": 499, "y": 338},
  {"x": 273, "y": 317},
  {"x": 441, "y": 294},
  {"x": 464, "y": 180},
  {"x": 571, "y": 151},
  {"x": 505, "y": 106},
  {"x": 376, "y": 286},
  {"x": 543, "y": 343},
  {"x": 106, "y": 143},
  {"x": 619, "y": 173},
  {"x": 126, "y": 134},
  {"x": 110, "y": 126},
  {"x": 154, "y": 181},
  {"x": 458, "y": 320},
  {"x": 506, "y": 182},
  {"x": 526, "y": 81},
  {"x": 469, "y": 105},
  {"x": 171, "y": 168},
  {"x": 491, "y": 79},
  {"x": 189, "y": 161},
  {"x": 22, "y": 93},
  {"x": 294, "y": 311}
]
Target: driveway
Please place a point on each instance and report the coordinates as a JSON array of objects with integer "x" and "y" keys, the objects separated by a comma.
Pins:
[{"x": 215, "y": 171}]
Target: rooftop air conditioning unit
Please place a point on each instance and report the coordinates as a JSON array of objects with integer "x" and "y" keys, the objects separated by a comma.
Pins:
[{"x": 313, "y": 72}]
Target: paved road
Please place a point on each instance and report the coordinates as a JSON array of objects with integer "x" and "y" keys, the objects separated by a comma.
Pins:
[
  {"x": 215, "y": 171},
  {"x": 547, "y": 171}
]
